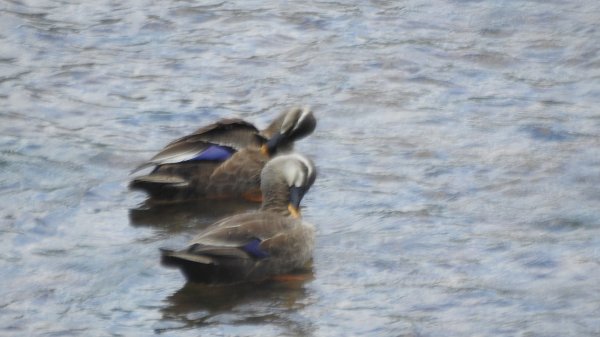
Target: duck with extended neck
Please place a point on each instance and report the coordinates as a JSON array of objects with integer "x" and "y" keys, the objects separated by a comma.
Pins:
[
  {"x": 258, "y": 245},
  {"x": 222, "y": 160}
]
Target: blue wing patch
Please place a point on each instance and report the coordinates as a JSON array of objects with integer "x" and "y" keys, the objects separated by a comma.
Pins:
[
  {"x": 253, "y": 248},
  {"x": 214, "y": 152}
]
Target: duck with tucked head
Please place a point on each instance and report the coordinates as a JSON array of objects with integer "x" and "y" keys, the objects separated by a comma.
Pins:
[
  {"x": 258, "y": 245},
  {"x": 222, "y": 160}
]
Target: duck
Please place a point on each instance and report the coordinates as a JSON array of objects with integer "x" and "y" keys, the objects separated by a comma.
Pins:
[
  {"x": 259, "y": 245},
  {"x": 222, "y": 160}
]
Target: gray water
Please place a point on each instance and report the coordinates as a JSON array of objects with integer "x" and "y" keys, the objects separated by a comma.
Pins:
[{"x": 458, "y": 149}]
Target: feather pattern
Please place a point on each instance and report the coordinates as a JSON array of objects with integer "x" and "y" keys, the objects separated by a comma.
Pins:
[
  {"x": 279, "y": 245},
  {"x": 214, "y": 152},
  {"x": 234, "y": 134}
]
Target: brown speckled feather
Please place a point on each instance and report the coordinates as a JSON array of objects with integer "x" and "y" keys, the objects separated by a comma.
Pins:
[
  {"x": 239, "y": 229},
  {"x": 173, "y": 181},
  {"x": 217, "y": 255},
  {"x": 176, "y": 182},
  {"x": 233, "y": 133},
  {"x": 238, "y": 176}
]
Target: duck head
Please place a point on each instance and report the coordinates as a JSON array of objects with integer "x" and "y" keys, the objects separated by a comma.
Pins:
[
  {"x": 284, "y": 181},
  {"x": 290, "y": 126}
]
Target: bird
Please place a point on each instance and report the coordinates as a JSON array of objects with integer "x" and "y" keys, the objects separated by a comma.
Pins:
[
  {"x": 222, "y": 160},
  {"x": 259, "y": 245}
]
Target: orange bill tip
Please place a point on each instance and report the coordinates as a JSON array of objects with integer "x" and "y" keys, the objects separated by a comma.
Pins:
[
  {"x": 294, "y": 211},
  {"x": 264, "y": 149}
]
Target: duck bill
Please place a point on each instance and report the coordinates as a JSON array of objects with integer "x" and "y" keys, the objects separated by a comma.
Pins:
[
  {"x": 294, "y": 212},
  {"x": 296, "y": 194},
  {"x": 264, "y": 149},
  {"x": 270, "y": 147}
]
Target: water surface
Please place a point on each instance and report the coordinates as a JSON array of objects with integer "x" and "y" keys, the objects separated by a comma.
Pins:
[{"x": 458, "y": 149}]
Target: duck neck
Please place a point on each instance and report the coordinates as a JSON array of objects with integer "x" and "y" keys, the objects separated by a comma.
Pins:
[
  {"x": 284, "y": 148},
  {"x": 276, "y": 199}
]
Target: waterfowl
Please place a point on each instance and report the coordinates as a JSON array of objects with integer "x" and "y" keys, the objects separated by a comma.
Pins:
[
  {"x": 221, "y": 160},
  {"x": 257, "y": 245}
]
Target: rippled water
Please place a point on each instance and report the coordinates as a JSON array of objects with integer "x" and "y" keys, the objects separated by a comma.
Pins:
[{"x": 458, "y": 146}]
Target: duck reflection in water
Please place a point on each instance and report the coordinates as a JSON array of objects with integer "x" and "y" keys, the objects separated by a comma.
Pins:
[{"x": 265, "y": 303}]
